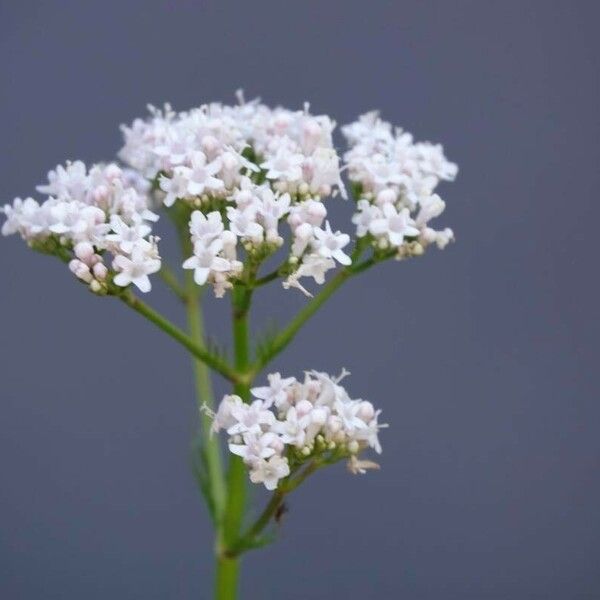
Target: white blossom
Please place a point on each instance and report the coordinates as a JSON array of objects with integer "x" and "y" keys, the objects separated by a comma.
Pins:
[
  {"x": 330, "y": 244},
  {"x": 136, "y": 267},
  {"x": 269, "y": 472},
  {"x": 206, "y": 261},
  {"x": 276, "y": 392},
  {"x": 294, "y": 420},
  {"x": 394, "y": 224}
]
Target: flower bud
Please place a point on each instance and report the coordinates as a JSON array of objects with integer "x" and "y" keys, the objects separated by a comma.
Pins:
[
  {"x": 84, "y": 251},
  {"x": 303, "y": 188},
  {"x": 113, "y": 172},
  {"x": 80, "y": 270},
  {"x": 353, "y": 447},
  {"x": 100, "y": 271},
  {"x": 417, "y": 249},
  {"x": 277, "y": 445},
  {"x": 303, "y": 408},
  {"x": 366, "y": 412},
  {"x": 95, "y": 286},
  {"x": 386, "y": 196},
  {"x": 210, "y": 144}
]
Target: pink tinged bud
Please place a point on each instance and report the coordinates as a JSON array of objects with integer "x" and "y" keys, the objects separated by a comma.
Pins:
[
  {"x": 84, "y": 251},
  {"x": 317, "y": 210},
  {"x": 312, "y": 130},
  {"x": 334, "y": 425},
  {"x": 80, "y": 270},
  {"x": 209, "y": 144},
  {"x": 386, "y": 196},
  {"x": 74, "y": 265},
  {"x": 100, "y": 194},
  {"x": 303, "y": 408},
  {"x": 277, "y": 445},
  {"x": 112, "y": 172},
  {"x": 366, "y": 412},
  {"x": 229, "y": 162},
  {"x": 100, "y": 271},
  {"x": 294, "y": 220}
]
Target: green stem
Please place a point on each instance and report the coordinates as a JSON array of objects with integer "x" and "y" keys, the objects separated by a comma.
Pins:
[
  {"x": 205, "y": 398},
  {"x": 227, "y": 576},
  {"x": 270, "y": 510},
  {"x": 227, "y": 566},
  {"x": 215, "y": 362},
  {"x": 288, "y": 334}
]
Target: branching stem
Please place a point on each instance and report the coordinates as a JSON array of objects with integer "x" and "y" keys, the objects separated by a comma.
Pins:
[{"x": 214, "y": 362}]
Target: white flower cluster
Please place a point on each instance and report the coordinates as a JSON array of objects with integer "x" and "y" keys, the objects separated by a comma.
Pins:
[
  {"x": 250, "y": 180},
  {"x": 246, "y": 168},
  {"x": 396, "y": 178},
  {"x": 86, "y": 214},
  {"x": 291, "y": 422}
]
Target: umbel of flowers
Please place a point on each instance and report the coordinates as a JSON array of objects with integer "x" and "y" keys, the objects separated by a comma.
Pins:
[{"x": 246, "y": 187}]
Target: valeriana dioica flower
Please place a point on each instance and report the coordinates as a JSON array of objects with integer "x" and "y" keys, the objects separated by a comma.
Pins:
[{"x": 247, "y": 189}]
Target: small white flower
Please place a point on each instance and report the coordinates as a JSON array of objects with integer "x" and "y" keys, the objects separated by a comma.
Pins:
[
  {"x": 284, "y": 164},
  {"x": 175, "y": 147},
  {"x": 367, "y": 213},
  {"x": 223, "y": 418},
  {"x": 396, "y": 225},
  {"x": 201, "y": 175},
  {"x": 206, "y": 260},
  {"x": 250, "y": 418},
  {"x": 269, "y": 472},
  {"x": 330, "y": 244},
  {"x": 205, "y": 228},
  {"x": 175, "y": 186},
  {"x": 431, "y": 207},
  {"x": 276, "y": 392},
  {"x": 255, "y": 447},
  {"x": 127, "y": 236},
  {"x": 136, "y": 268},
  {"x": 309, "y": 212},
  {"x": 243, "y": 223}
]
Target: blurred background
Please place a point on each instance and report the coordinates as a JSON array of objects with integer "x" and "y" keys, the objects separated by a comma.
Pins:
[{"x": 484, "y": 357}]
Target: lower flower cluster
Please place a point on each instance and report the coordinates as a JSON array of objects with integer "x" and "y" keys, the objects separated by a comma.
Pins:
[{"x": 291, "y": 422}]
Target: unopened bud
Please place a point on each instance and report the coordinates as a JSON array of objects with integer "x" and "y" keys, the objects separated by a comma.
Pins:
[
  {"x": 366, "y": 411},
  {"x": 353, "y": 447},
  {"x": 84, "y": 251},
  {"x": 303, "y": 188},
  {"x": 95, "y": 286},
  {"x": 417, "y": 249},
  {"x": 100, "y": 271},
  {"x": 303, "y": 408}
]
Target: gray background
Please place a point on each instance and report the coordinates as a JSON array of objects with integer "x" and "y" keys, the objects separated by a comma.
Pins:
[{"x": 483, "y": 357}]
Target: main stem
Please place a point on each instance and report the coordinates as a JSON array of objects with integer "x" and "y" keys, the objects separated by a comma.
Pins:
[
  {"x": 205, "y": 399},
  {"x": 227, "y": 566}
]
